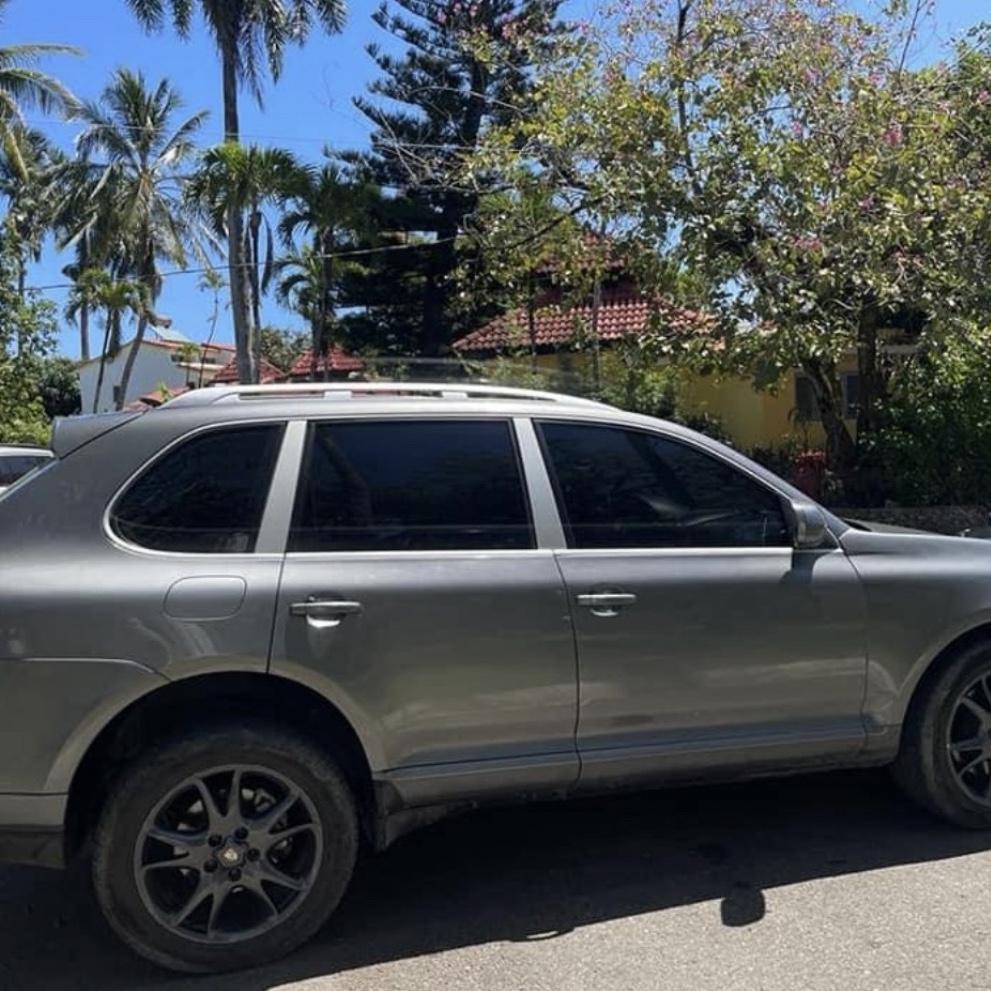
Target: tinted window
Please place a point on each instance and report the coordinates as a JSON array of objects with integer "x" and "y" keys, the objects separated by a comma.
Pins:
[
  {"x": 418, "y": 485},
  {"x": 205, "y": 496},
  {"x": 626, "y": 488},
  {"x": 13, "y": 466}
]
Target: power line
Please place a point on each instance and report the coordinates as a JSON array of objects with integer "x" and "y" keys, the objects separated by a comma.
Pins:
[{"x": 353, "y": 253}]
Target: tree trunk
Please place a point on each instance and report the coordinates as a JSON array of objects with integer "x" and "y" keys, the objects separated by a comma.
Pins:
[
  {"x": 872, "y": 386},
  {"x": 841, "y": 451},
  {"x": 440, "y": 263},
  {"x": 254, "y": 245},
  {"x": 125, "y": 378},
  {"x": 531, "y": 319},
  {"x": 21, "y": 292},
  {"x": 326, "y": 307},
  {"x": 84, "y": 331},
  {"x": 240, "y": 310},
  {"x": 103, "y": 360}
]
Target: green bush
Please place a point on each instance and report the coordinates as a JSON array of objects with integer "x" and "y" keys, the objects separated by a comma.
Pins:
[{"x": 935, "y": 445}]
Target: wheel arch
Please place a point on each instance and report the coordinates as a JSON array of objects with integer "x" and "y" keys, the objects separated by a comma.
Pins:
[
  {"x": 927, "y": 673},
  {"x": 166, "y": 710}
]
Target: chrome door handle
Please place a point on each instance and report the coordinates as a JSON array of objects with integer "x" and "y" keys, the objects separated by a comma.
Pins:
[
  {"x": 323, "y": 613},
  {"x": 606, "y": 603}
]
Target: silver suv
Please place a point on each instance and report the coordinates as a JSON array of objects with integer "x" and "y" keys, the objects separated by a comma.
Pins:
[{"x": 251, "y": 630}]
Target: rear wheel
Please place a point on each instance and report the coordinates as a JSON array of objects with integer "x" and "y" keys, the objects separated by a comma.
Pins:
[
  {"x": 945, "y": 757},
  {"x": 225, "y": 849}
]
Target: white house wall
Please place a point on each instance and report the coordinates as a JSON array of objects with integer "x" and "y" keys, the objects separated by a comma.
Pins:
[{"x": 152, "y": 367}]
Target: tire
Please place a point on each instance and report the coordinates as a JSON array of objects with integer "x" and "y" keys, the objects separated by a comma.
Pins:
[
  {"x": 264, "y": 895},
  {"x": 944, "y": 735}
]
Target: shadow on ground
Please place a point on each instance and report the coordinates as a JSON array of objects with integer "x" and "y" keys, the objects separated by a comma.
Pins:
[{"x": 521, "y": 874}]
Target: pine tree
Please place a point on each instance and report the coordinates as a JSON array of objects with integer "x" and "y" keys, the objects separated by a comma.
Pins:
[{"x": 428, "y": 110}]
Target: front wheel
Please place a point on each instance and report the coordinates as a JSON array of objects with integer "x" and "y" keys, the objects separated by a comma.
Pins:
[
  {"x": 945, "y": 758},
  {"x": 225, "y": 849}
]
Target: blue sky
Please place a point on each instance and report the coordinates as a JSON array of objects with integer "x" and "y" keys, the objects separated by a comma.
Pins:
[{"x": 311, "y": 106}]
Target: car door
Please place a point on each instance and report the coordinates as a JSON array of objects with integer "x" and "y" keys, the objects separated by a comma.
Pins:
[
  {"x": 704, "y": 638},
  {"x": 414, "y": 596}
]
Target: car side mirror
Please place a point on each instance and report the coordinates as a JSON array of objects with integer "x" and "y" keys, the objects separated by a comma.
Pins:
[{"x": 808, "y": 525}]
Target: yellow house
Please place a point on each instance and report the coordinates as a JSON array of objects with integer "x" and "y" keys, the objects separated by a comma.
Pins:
[{"x": 553, "y": 341}]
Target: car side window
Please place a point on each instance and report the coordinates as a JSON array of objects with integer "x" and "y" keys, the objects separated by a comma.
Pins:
[
  {"x": 13, "y": 467},
  {"x": 205, "y": 496},
  {"x": 411, "y": 485},
  {"x": 628, "y": 488}
]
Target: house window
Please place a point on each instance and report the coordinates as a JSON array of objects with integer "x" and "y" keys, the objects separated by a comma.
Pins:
[{"x": 807, "y": 404}]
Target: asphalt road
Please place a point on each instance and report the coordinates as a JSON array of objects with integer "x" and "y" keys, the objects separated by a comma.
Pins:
[{"x": 832, "y": 882}]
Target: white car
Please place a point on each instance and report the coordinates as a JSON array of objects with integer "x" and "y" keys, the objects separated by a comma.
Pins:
[{"x": 17, "y": 460}]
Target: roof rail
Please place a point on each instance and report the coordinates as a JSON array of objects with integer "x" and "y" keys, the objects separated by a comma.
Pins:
[{"x": 212, "y": 395}]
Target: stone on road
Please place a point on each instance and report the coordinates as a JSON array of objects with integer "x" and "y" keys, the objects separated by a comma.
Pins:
[{"x": 828, "y": 883}]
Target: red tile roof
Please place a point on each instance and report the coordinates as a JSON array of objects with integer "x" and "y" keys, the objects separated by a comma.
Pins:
[
  {"x": 155, "y": 398},
  {"x": 620, "y": 313},
  {"x": 335, "y": 360},
  {"x": 267, "y": 373}
]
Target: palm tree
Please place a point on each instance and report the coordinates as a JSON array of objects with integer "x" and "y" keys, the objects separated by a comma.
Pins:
[
  {"x": 333, "y": 211},
  {"x": 96, "y": 289},
  {"x": 140, "y": 216},
  {"x": 77, "y": 214},
  {"x": 243, "y": 179},
  {"x": 249, "y": 34},
  {"x": 26, "y": 88},
  {"x": 28, "y": 164}
]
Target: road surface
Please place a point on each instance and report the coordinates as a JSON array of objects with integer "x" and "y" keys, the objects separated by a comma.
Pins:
[{"x": 819, "y": 883}]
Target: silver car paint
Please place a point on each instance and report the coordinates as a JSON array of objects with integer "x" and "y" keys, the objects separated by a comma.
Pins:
[{"x": 462, "y": 676}]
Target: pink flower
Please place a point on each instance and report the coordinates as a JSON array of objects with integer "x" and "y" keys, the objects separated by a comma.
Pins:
[
  {"x": 876, "y": 78},
  {"x": 797, "y": 129},
  {"x": 867, "y": 203},
  {"x": 983, "y": 97},
  {"x": 441, "y": 18},
  {"x": 893, "y": 136}
]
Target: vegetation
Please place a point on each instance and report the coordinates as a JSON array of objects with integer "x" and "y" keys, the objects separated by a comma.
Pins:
[
  {"x": 824, "y": 199},
  {"x": 250, "y": 35}
]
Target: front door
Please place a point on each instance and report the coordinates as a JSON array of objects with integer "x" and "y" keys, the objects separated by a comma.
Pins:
[
  {"x": 704, "y": 639},
  {"x": 413, "y": 596}
]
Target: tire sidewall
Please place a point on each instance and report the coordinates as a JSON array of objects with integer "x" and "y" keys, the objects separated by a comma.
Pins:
[
  {"x": 946, "y": 796},
  {"x": 151, "y": 779}
]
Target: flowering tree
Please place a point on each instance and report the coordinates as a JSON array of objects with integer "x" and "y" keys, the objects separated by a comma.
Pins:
[{"x": 828, "y": 196}]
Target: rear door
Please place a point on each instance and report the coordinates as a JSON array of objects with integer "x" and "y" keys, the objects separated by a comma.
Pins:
[{"x": 414, "y": 596}]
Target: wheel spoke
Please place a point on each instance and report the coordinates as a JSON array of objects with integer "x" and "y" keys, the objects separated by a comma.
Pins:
[
  {"x": 172, "y": 863},
  {"x": 234, "y": 798},
  {"x": 287, "y": 834},
  {"x": 219, "y": 899},
  {"x": 196, "y": 900},
  {"x": 970, "y": 765},
  {"x": 178, "y": 841},
  {"x": 268, "y": 820},
  {"x": 963, "y": 746},
  {"x": 269, "y": 872},
  {"x": 257, "y": 887},
  {"x": 978, "y": 711},
  {"x": 214, "y": 815}
]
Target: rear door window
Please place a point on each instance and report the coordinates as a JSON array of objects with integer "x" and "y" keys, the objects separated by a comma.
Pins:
[{"x": 413, "y": 485}]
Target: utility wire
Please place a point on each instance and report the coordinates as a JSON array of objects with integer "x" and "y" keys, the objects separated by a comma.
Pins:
[{"x": 353, "y": 253}]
